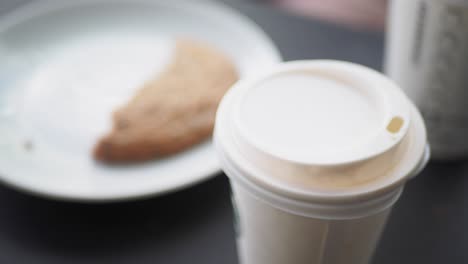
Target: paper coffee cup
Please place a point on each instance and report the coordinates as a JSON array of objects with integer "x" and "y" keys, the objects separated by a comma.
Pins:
[{"x": 317, "y": 153}]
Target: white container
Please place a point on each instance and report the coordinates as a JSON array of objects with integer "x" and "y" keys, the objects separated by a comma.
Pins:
[
  {"x": 427, "y": 55},
  {"x": 317, "y": 153}
]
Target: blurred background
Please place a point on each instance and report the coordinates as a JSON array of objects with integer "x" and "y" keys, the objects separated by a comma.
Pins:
[
  {"x": 195, "y": 225},
  {"x": 365, "y": 14}
]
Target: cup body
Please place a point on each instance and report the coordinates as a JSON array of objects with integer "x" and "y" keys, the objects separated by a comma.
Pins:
[{"x": 269, "y": 235}]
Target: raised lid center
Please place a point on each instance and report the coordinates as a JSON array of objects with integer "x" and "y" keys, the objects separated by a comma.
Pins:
[{"x": 309, "y": 117}]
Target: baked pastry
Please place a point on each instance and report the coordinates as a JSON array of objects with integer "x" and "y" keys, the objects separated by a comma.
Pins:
[{"x": 172, "y": 112}]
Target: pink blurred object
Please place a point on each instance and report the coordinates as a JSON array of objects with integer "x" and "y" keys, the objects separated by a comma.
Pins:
[{"x": 367, "y": 14}]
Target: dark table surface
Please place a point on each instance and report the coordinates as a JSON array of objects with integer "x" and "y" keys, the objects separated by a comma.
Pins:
[{"x": 195, "y": 225}]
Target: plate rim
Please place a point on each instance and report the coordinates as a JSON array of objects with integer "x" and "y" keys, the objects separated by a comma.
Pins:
[{"x": 25, "y": 12}]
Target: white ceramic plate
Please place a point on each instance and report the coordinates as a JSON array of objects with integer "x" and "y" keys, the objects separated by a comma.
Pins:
[{"x": 64, "y": 65}]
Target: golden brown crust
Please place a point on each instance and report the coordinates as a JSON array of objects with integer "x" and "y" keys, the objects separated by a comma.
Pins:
[{"x": 172, "y": 112}]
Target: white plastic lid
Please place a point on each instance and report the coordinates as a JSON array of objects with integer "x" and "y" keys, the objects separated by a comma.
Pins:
[
  {"x": 326, "y": 114},
  {"x": 320, "y": 128}
]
